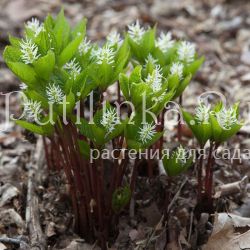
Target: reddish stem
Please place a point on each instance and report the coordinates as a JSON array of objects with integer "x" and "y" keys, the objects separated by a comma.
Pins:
[
  {"x": 179, "y": 128},
  {"x": 118, "y": 93},
  {"x": 162, "y": 129},
  {"x": 134, "y": 176},
  {"x": 209, "y": 175},
  {"x": 199, "y": 174}
]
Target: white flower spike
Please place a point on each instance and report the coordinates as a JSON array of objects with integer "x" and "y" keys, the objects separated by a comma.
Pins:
[
  {"x": 73, "y": 67},
  {"x": 29, "y": 51},
  {"x": 146, "y": 132},
  {"x": 35, "y": 26},
  {"x": 135, "y": 31},
  {"x": 54, "y": 93},
  {"x": 202, "y": 113},
  {"x": 186, "y": 52},
  {"x": 84, "y": 46},
  {"x": 114, "y": 38},
  {"x": 165, "y": 42},
  {"x": 23, "y": 86},
  {"x": 227, "y": 118},
  {"x": 177, "y": 68},
  {"x": 150, "y": 59},
  {"x": 159, "y": 98},
  {"x": 32, "y": 110},
  {"x": 109, "y": 120},
  {"x": 105, "y": 54},
  {"x": 155, "y": 79}
]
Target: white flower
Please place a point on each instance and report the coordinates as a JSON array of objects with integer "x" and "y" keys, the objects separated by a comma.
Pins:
[
  {"x": 109, "y": 120},
  {"x": 159, "y": 98},
  {"x": 105, "y": 54},
  {"x": 181, "y": 155},
  {"x": 155, "y": 79},
  {"x": 146, "y": 132},
  {"x": 226, "y": 118},
  {"x": 73, "y": 67},
  {"x": 23, "y": 86},
  {"x": 114, "y": 38},
  {"x": 150, "y": 59},
  {"x": 135, "y": 31},
  {"x": 164, "y": 42},
  {"x": 54, "y": 93},
  {"x": 35, "y": 26},
  {"x": 177, "y": 69},
  {"x": 84, "y": 46},
  {"x": 32, "y": 109},
  {"x": 202, "y": 113},
  {"x": 29, "y": 51},
  {"x": 186, "y": 52},
  {"x": 50, "y": 42}
]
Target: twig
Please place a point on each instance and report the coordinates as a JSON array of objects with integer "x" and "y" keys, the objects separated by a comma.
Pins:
[
  {"x": 177, "y": 194},
  {"x": 159, "y": 224},
  {"x": 190, "y": 227},
  {"x": 37, "y": 238},
  {"x": 7, "y": 240},
  {"x": 232, "y": 188}
]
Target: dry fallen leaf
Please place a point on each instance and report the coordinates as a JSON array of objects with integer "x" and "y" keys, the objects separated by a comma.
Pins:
[
  {"x": 2, "y": 246},
  {"x": 80, "y": 244},
  {"x": 224, "y": 235},
  {"x": 10, "y": 216},
  {"x": 7, "y": 192}
]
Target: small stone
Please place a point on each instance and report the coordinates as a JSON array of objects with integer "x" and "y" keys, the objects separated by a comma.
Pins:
[{"x": 245, "y": 57}]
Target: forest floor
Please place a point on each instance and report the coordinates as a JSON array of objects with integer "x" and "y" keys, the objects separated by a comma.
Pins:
[{"x": 221, "y": 31}]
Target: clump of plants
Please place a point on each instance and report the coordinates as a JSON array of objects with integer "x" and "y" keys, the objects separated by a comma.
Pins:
[
  {"x": 212, "y": 125},
  {"x": 64, "y": 80}
]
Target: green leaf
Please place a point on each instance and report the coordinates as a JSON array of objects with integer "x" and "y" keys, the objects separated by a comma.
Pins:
[
  {"x": 121, "y": 198},
  {"x": 80, "y": 28},
  {"x": 45, "y": 65},
  {"x": 137, "y": 90},
  {"x": 135, "y": 76},
  {"x": 158, "y": 106},
  {"x": 216, "y": 128},
  {"x": 25, "y": 73},
  {"x": 69, "y": 51},
  {"x": 227, "y": 134},
  {"x": 84, "y": 148},
  {"x": 148, "y": 42},
  {"x": 91, "y": 131},
  {"x": 105, "y": 75},
  {"x": 136, "y": 50},
  {"x": 173, "y": 81},
  {"x": 118, "y": 130},
  {"x": 31, "y": 127},
  {"x": 12, "y": 54},
  {"x": 173, "y": 167},
  {"x": 34, "y": 95},
  {"x": 182, "y": 86},
  {"x": 193, "y": 67},
  {"x": 123, "y": 52},
  {"x": 124, "y": 85},
  {"x": 61, "y": 31},
  {"x": 14, "y": 41},
  {"x": 70, "y": 98},
  {"x": 202, "y": 132},
  {"x": 69, "y": 105}
]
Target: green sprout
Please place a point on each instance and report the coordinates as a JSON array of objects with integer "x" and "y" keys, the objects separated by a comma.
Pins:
[
  {"x": 178, "y": 162},
  {"x": 215, "y": 126}
]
